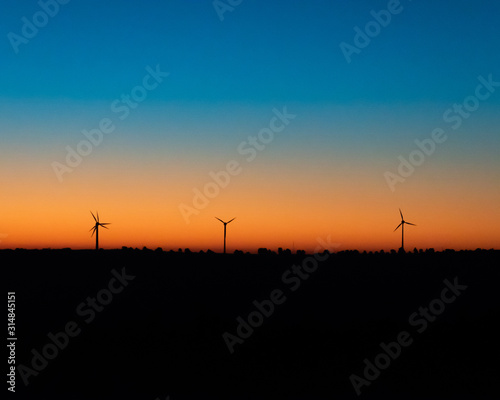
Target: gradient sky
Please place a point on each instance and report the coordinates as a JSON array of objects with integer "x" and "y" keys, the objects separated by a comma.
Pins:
[{"x": 322, "y": 175}]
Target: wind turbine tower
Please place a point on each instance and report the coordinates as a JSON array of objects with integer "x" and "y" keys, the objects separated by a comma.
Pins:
[
  {"x": 95, "y": 229},
  {"x": 225, "y": 223},
  {"x": 402, "y": 225}
]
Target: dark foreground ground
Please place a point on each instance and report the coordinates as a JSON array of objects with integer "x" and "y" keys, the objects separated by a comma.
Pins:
[{"x": 161, "y": 333}]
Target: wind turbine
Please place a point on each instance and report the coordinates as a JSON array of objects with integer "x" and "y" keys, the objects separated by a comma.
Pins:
[
  {"x": 225, "y": 223},
  {"x": 95, "y": 229},
  {"x": 402, "y": 225}
]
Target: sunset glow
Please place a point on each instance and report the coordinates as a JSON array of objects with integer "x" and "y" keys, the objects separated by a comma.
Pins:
[{"x": 322, "y": 173}]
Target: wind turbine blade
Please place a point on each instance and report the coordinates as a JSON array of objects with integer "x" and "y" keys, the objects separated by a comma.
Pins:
[
  {"x": 104, "y": 223},
  {"x": 231, "y": 220},
  {"x": 105, "y": 227},
  {"x": 401, "y": 214},
  {"x": 398, "y": 227},
  {"x": 409, "y": 223},
  {"x": 220, "y": 220},
  {"x": 97, "y": 216},
  {"x": 93, "y": 216}
]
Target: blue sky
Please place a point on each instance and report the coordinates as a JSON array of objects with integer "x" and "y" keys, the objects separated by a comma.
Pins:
[{"x": 261, "y": 52}]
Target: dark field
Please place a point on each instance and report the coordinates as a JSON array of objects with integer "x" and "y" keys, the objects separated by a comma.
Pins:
[{"x": 161, "y": 333}]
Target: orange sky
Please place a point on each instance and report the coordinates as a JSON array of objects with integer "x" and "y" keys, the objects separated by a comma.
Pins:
[{"x": 354, "y": 206}]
